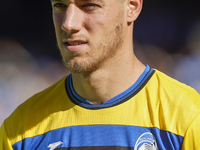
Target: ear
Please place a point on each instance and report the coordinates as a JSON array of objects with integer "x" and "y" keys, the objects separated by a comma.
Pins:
[{"x": 134, "y": 9}]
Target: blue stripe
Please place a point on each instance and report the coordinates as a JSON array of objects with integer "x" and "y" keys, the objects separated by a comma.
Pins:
[{"x": 99, "y": 135}]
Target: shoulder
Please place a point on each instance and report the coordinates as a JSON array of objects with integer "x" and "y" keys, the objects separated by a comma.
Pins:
[
  {"x": 175, "y": 102},
  {"x": 43, "y": 98},
  {"x": 174, "y": 88},
  {"x": 34, "y": 110}
]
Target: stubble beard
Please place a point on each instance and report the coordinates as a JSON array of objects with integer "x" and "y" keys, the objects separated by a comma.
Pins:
[{"x": 108, "y": 48}]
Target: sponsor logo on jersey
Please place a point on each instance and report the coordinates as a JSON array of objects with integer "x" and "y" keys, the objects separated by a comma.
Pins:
[
  {"x": 146, "y": 142},
  {"x": 54, "y": 145}
]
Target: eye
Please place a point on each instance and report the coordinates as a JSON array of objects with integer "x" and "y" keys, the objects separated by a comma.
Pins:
[
  {"x": 90, "y": 6},
  {"x": 59, "y": 6}
]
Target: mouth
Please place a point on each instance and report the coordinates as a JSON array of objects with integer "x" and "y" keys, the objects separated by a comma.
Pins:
[{"x": 74, "y": 45}]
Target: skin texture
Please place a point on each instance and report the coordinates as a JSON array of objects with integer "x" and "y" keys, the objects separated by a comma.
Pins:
[
  {"x": 95, "y": 41},
  {"x": 93, "y": 28}
]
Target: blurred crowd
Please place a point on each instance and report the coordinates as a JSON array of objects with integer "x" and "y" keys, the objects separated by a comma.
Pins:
[
  {"x": 22, "y": 74},
  {"x": 183, "y": 66}
]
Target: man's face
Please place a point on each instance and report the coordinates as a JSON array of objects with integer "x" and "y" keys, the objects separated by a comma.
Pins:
[{"x": 89, "y": 32}]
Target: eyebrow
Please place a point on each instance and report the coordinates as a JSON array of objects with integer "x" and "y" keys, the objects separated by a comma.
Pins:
[
  {"x": 101, "y": 1},
  {"x": 55, "y": 0},
  {"x": 92, "y": 1}
]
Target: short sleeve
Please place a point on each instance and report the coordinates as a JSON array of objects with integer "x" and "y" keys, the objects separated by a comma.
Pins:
[
  {"x": 4, "y": 140},
  {"x": 192, "y": 136}
]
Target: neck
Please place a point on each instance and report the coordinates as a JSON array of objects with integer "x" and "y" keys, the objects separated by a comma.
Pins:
[{"x": 109, "y": 80}]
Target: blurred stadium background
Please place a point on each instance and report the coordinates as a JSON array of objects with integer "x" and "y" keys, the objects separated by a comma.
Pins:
[{"x": 166, "y": 36}]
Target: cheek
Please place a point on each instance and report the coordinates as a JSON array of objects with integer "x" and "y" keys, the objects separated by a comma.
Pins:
[
  {"x": 102, "y": 23},
  {"x": 98, "y": 28},
  {"x": 94, "y": 22}
]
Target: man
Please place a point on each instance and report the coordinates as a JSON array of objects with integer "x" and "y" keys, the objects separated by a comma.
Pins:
[{"x": 110, "y": 100}]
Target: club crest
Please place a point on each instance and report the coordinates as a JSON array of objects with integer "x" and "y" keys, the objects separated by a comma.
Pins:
[{"x": 146, "y": 142}]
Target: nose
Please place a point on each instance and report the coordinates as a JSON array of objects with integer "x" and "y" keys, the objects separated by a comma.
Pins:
[{"x": 72, "y": 22}]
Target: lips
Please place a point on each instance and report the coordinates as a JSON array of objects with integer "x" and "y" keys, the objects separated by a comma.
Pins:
[{"x": 74, "y": 45}]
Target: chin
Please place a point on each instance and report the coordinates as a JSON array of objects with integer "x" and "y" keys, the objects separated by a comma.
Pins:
[{"x": 83, "y": 67}]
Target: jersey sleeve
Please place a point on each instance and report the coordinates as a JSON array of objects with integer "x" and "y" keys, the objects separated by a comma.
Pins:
[
  {"x": 4, "y": 140},
  {"x": 192, "y": 136}
]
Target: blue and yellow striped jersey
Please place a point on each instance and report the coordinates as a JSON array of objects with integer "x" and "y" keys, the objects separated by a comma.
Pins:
[{"x": 157, "y": 112}]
